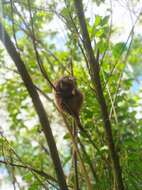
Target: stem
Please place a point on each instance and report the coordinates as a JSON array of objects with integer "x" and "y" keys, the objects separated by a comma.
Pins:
[
  {"x": 75, "y": 158},
  {"x": 82, "y": 164}
]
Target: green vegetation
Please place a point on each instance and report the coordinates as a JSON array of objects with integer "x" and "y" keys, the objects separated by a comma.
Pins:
[{"x": 51, "y": 41}]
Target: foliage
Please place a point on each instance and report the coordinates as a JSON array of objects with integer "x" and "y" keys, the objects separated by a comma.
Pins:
[{"x": 22, "y": 141}]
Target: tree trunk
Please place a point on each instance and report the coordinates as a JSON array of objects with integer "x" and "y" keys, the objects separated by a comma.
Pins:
[{"x": 95, "y": 77}]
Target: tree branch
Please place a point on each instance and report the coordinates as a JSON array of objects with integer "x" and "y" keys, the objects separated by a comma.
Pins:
[
  {"x": 39, "y": 172},
  {"x": 4, "y": 37},
  {"x": 95, "y": 77}
]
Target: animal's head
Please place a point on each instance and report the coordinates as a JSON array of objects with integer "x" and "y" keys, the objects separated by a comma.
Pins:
[{"x": 66, "y": 84}]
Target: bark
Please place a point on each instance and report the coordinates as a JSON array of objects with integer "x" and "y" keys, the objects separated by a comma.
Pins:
[
  {"x": 4, "y": 37},
  {"x": 95, "y": 77}
]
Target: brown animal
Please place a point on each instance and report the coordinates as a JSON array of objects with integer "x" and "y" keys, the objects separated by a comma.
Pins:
[{"x": 69, "y": 99}]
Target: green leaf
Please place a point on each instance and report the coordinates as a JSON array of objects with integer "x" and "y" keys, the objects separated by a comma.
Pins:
[
  {"x": 99, "y": 32},
  {"x": 105, "y": 20},
  {"x": 65, "y": 12},
  {"x": 102, "y": 46},
  {"x": 118, "y": 49},
  {"x": 97, "y": 20},
  {"x": 67, "y": 136}
]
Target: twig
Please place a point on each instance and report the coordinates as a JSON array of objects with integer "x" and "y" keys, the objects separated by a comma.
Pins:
[
  {"x": 39, "y": 61},
  {"x": 41, "y": 173},
  {"x": 75, "y": 158}
]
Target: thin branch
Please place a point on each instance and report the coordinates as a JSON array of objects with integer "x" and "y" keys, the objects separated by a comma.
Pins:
[
  {"x": 31, "y": 33},
  {"x": 39, "y": 61},
  {"x": 124, "y": 46},
  {"x": 75, "y": 159},
  {"x": 111, "y": 100},
  {"x": 120, "y": 77},
  {"x": 89, "y": 160},
  {"x": 87, "y": 179},
  {"x": 39, "y": 172},
  {"x": 13, "y": 24},
  {"x": 12, "y": 151},
  {"x": 80, "y": 40},
  {"x": 108, "y": 37}
]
